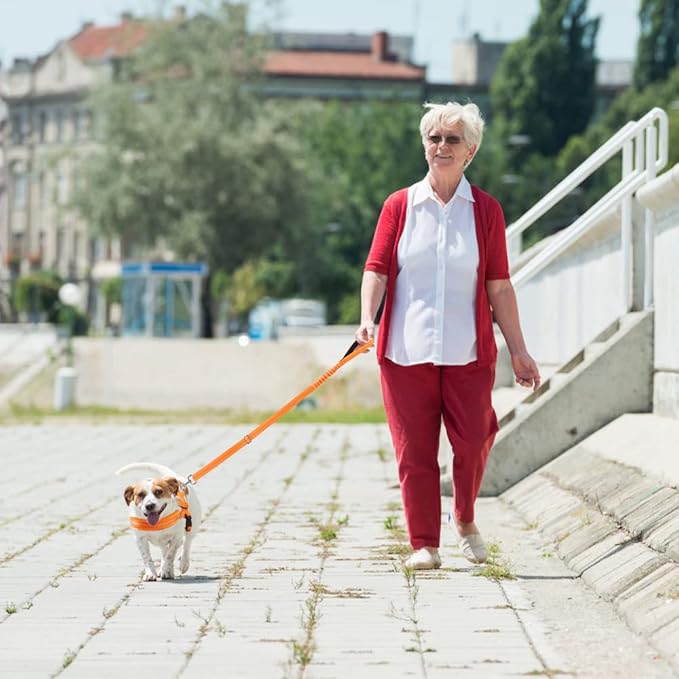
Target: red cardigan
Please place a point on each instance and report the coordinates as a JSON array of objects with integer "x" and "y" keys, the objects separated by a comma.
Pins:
[{"x": 490, "y": 235}]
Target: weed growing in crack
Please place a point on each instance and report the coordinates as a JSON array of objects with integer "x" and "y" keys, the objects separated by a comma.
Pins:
[
  {"x": 495, "y": 568},
  {"x": 391, "y": 522}
]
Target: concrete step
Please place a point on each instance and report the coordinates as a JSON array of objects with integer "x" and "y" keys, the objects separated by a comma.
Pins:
[
  {"x": 611, "y": 376},
  {"x": 610, "y": 508}
]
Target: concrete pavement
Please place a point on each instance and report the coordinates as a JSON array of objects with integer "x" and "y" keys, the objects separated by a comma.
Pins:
[{"x": 296, "y": 572}]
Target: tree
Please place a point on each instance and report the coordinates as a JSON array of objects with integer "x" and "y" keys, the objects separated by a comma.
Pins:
[
  {"x": 658, "y": 45},
  {"x": 544, "y": 85},
  {"x": 188, "y": 153},
  {"x": 365, "y": 151}
]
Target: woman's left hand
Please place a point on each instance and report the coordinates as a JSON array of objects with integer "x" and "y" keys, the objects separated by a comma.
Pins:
[{"x": 526, "y": 371}]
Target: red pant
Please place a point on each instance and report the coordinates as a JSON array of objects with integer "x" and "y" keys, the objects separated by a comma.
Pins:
[{"x": 415, "y": 399}]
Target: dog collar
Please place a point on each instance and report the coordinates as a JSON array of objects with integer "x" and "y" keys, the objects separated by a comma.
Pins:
[{"x": 169, "y": 520}]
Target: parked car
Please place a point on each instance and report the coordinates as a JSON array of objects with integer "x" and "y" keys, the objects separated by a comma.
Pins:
[
  {"x": 298, "y": 312},
  {"x": 264, "y": 320}
]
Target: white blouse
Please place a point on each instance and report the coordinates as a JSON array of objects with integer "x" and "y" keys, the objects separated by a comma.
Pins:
[{"x": 432, "y": 317}]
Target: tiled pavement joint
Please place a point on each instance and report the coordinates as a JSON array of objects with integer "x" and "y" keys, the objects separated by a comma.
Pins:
[
  {"x": 302, "y": 649},
  {"x": 235, "y": 570}
]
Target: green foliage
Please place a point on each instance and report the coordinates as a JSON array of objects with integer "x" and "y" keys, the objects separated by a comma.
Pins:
[
  {"x": 112, "y": 289},
  {"x": 65, "y": 316},
  {"x": 38, "y": 293},
  {"x": 630, "y": 105},
  {"x": 245, "y": 290},
  {"x": 658, "y": 45},
  {"x": 364, "y": 151},
  {"x": 544, "y": 84},
  {"x": 349, "y": 311},
  {"x": 220, "y": 281}
]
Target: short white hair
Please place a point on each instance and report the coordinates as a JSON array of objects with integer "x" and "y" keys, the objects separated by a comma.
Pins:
[{"x": 447, "y": 115}]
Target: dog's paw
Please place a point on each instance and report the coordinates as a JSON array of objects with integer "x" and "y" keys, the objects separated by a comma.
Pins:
[
  {"x": 149, "y": 576},
  {"x": 167, "y": 575},
  {"x": 184, "y": 564}
]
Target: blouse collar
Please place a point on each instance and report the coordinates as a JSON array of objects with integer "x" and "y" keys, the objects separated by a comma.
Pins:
[{"x": 424, "y": 191}]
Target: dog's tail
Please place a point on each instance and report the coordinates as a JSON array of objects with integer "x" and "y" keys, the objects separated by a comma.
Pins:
[{"x": 152, "y": 467}]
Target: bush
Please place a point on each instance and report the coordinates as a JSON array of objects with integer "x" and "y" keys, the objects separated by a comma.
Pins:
[
  {"x": 38, "y": 293},
  {"x": 112, "y": 289},
  {"x": 81, "y": 322}
]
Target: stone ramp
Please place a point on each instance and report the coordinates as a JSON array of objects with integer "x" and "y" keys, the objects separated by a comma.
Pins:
[{"x": 296, "y": 571}]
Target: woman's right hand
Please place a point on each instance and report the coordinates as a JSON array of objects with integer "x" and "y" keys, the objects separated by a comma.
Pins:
[{"x": 365, "y": 332}]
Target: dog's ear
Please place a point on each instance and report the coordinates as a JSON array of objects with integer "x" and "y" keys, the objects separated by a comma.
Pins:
[
  {"x": 129, "y": 494},
  {"x": 172, "y": 484}
]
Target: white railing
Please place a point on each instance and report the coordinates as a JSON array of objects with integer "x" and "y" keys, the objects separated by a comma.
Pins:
[{"x": 644, "y": 148}]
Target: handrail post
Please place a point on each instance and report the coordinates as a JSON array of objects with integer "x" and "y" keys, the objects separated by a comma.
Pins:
[
  {"x": 626, "y": 231},
  {"x": 514, "y": 247},
  {"x": 649, "y": 218}
]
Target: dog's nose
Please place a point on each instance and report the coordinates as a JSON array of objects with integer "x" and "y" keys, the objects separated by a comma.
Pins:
[{"x": 150, "y": 506}]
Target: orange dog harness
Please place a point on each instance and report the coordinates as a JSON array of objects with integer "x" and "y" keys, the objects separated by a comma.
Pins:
[{"x": 169, "y": 520}]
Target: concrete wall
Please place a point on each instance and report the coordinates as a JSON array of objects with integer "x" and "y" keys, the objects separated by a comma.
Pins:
[
  {"x": 576, "y": 297},
  {"x": 169, "y": 374},
  {"x": 662, "y": 197}
]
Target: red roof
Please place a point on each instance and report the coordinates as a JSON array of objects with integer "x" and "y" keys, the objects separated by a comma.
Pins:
[
  {"x": 339, "y": 65},
  {"x": 99, "y": 42}
]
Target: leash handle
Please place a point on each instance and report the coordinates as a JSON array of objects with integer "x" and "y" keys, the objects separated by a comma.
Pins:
[
  {"x": 378, "y": 316},
  {"x": 248, "y": 438}
]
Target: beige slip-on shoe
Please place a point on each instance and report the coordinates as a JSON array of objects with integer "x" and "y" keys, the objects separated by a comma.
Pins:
[
  {"x": 473, "y": 547},
  {"x": 423, "y": 559}
]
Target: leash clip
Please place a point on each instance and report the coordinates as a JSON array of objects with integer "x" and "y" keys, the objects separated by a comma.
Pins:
[{"x": 189, "y": 482}]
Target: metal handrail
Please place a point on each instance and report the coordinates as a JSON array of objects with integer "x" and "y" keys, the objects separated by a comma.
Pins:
[
  {"x": 630, "y": 132},
  {"x": 644, "y": 152},
  {"x": 578, "y": 228}
]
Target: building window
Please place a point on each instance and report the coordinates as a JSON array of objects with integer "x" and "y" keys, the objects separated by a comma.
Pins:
[
  {"x": 75, "y": 256},
  {"x": 59, "y": 250},
  {"x": 62, "y": 188},
  {"x": 42, "y": 189},
  {"x": 42, "y": 126},
  {"x": 59, "y": 119},
  {"x": 86, "y": 124},
  {"x": 17, "y": 248},
  {"x": 61, "y": 64},
  {"x": 20, "y": 190},
  {"x": 76, "y": 124},
  {"x": 17, "y": 129}
]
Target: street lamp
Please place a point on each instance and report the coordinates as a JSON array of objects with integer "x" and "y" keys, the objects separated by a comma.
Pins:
[
  {"x": 69, "y": 296},
  {"x": 64, "y": 384}
]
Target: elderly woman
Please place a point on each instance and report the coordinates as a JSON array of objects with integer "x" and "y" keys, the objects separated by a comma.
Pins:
[{"x": 439, "y": 254}]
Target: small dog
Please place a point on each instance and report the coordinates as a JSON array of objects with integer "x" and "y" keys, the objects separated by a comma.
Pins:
[{"x": 163, "y": 515}]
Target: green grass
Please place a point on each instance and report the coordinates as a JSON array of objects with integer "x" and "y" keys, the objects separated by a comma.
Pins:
[{"x": 19, "y": 414}]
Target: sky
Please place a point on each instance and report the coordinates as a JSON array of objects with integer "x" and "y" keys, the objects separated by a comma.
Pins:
[{"x": 29, "y": 28}]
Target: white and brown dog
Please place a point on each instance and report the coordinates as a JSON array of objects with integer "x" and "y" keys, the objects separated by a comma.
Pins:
[{"x": 164, "y": 513}]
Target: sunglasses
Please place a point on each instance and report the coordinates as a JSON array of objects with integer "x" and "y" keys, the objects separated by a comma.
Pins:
[{"x": 437, "y": 139}]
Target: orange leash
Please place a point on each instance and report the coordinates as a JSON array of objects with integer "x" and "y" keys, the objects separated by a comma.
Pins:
[{"x": 248, "y": 438}]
